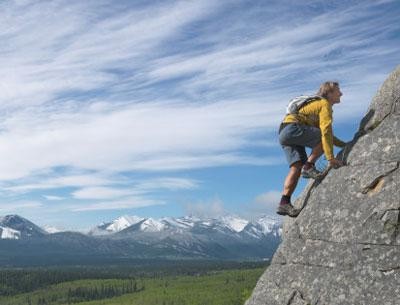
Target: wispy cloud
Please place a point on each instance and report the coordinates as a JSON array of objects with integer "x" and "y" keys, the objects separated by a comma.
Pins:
[
  {"x": 139, "y": 189},
  {"x": 53, "y": 198},
  {"x": 61, "y": 47},
  {"x": 150, "y": 136},
  {"x": 106, "y": 89},
  {"x": 128, "y": 203},
  {"x": 323, "y": 46},
  {"x": 101, "y": 193},
  {"x": 168, "y": 183},
  {"x": 77, "y": 127},
  {"x": 55, "y": 180},
  {"x": 19, "y": 205}
]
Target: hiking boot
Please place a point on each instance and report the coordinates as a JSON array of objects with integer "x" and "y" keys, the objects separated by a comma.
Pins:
[
  {"x": 288, "y": 209},
  {"x": 312, "y": 172}
]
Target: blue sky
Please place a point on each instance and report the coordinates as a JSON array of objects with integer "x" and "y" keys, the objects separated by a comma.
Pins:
[{"x": 169, "y": 108}]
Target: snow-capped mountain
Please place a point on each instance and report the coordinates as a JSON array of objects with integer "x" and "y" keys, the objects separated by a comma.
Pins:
[
  {"x": 234, "y": 223},
  {"x": 16, "y": 227},
  {"x": 8, "y": 233},
  {"x": 152, "y": 225},
  {"x": 228, "y": 224},
  {"x": 226, "y": 237},
  {"x": 264, "y": 226},
  {"x": 116, "y": 225},
  {"x": 267, "y": 224}
]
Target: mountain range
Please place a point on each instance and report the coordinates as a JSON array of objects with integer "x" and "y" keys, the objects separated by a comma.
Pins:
[{"x": 131, "y": 237}]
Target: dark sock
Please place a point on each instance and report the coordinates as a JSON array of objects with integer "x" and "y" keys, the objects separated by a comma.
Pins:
[
  {"x": 285, "y": 199},
  {"x": 308, "y": 165}
]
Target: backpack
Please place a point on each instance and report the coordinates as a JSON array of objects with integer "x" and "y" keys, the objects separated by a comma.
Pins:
[{"x": 295, "y": 104}]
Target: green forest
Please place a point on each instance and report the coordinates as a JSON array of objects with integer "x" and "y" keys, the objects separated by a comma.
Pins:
[{"x": 188, "y": 283}]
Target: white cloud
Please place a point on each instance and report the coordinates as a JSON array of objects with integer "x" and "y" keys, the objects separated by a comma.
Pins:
[
  {"x": 127, "y": 203},
  {"x": 101, "y": 193},
  {"x": 135, "y": 189},
  {"x": 152, "y": 132},
  {"x": 168, "y": 183},
  {"x": 57, "y": 47},
  {"x": 53, "y": 198},
  {"x": 17, "y": 206},
  {"x": 212, "y": 208},
  {"x": 269, "y": 198},
  {"x": 106, "y": 88},
  {"x": 151, "y": 136},
  {"x": 321, "y": 47},
  {"x": 53, "y": 180},
  {"x": 265, "y": 203}
]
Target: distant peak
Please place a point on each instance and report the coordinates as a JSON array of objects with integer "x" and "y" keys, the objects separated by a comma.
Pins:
[
  {"x": 123, "y": 222},
  {"x": 22, "y": 225},
  {"x": 233, "y": 222},
  {"x": 230, "y": 222},
  {"x": 152, "y": 225},
  {"x": 13, "y": 218}
]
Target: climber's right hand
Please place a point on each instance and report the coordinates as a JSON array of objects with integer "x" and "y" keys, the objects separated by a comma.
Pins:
[{"x": 335, "y": 163}]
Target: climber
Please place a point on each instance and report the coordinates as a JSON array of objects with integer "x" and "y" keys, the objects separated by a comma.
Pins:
[{"x": 310, "y": 126}]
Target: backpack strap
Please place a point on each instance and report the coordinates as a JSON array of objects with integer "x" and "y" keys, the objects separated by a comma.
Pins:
[{"x": 298, "y": 102}]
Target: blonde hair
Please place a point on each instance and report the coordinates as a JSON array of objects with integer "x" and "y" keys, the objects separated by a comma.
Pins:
[{"x": 326, "y": 88}]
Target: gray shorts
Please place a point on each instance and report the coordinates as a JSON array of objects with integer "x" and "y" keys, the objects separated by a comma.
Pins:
[{"x": 294, "y": 139}]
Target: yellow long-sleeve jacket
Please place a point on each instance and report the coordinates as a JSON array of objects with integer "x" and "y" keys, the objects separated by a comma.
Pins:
[{"x": 318, "y": 114}]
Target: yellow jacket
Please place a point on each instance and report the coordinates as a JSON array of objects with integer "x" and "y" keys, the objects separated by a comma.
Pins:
[{"x": 318, "y": 114}]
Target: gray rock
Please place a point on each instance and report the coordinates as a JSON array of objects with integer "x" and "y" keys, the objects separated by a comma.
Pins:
[
  {"x": 385, "y": 102},
  {"x": 344, "y": 247}
]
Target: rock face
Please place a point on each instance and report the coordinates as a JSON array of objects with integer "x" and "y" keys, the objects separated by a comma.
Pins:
[{"x": 344, "y": 247}]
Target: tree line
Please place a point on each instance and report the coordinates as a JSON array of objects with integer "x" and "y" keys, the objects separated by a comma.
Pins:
[
  {"x": 15, "y": 281},
  {"x": 84, "y": 294}
]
